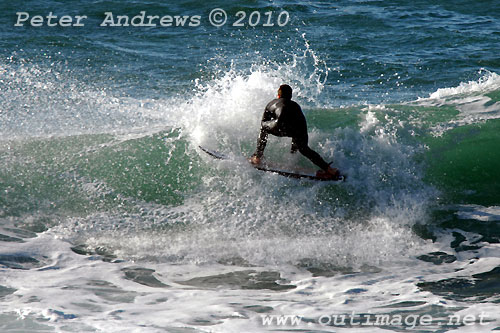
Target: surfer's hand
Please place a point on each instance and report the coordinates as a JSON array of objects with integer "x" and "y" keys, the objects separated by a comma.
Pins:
[{"x": 254, "y": 160}]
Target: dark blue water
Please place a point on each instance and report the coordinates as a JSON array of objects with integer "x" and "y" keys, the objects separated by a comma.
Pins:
[{"x": 373, "y": 51}]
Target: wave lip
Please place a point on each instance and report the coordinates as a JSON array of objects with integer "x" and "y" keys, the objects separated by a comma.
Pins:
[
  {"x": 475, "y": 101},
  {"x": 490, "y": 81}
]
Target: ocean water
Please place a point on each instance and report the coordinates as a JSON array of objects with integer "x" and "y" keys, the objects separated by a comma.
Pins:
[{"x": 112, "y": 219}]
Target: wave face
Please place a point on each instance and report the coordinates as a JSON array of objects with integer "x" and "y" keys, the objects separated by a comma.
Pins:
[{"x": 110, "y": 212}]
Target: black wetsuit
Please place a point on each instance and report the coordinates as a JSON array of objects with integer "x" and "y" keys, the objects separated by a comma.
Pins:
[{"x": 284, "y": 117}]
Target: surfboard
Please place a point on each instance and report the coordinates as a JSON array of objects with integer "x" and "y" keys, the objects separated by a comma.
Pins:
[{"x": 274, "y": 169}]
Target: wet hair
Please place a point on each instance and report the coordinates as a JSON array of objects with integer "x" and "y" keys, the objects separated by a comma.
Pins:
[{"x": 285, "y": 91}]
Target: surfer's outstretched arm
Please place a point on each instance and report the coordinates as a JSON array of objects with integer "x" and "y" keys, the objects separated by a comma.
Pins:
[{"x": 261, "y": 145}]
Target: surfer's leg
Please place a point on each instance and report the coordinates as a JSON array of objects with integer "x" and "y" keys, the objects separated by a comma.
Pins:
[{"x": 302, "y": 144}]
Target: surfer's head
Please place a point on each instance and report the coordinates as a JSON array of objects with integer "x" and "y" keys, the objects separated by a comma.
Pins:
[{"x": 285, "y": 91}]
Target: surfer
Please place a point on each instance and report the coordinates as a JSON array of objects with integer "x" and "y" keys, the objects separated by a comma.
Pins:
[{"x": 284, "y": 118}]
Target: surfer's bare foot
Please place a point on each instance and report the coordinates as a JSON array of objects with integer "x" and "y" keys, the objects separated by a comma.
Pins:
[
  {"x": 330, "y": 173},
  {"x": 255, "y": 160},
  {"x": 334, "y": 172}
]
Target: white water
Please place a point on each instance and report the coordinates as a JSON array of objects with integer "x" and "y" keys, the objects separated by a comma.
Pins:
[{"x": 239, "y": 220}]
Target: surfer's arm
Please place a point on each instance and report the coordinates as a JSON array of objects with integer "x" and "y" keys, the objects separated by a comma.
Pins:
[
  {"x": 261, "y": 143},
  {"x": 269, "y": 124},
  {"x": 269, "y": 120}
]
